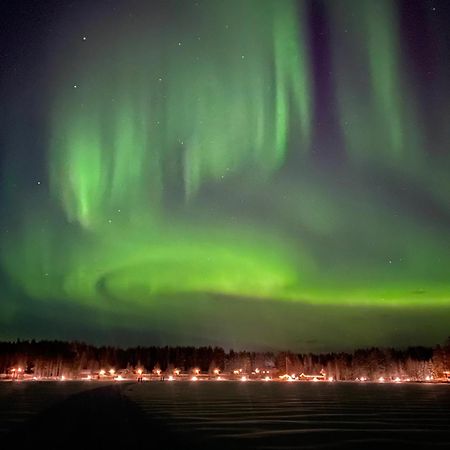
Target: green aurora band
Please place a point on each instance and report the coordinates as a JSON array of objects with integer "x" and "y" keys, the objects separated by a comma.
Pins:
[{"x": 170, "y": 149}]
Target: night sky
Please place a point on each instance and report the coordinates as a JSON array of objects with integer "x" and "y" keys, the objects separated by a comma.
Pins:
[{"x": 248, "y": 173}]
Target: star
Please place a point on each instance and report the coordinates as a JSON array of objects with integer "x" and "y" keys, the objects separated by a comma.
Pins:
[{"x": 84, "y": 38}]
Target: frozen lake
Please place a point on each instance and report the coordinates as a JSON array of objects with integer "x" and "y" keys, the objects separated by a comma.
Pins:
[{"x": 229, "y": 415}]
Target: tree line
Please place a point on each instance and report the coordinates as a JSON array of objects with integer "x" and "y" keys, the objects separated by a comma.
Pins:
[{"x": 57, "y": 358}]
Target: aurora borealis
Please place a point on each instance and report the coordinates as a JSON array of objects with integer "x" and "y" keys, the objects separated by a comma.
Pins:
[{"x": 263, "y": 173}]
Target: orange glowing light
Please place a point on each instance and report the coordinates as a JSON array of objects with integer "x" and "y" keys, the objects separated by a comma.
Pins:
[{"x": 194, "y": 378}]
